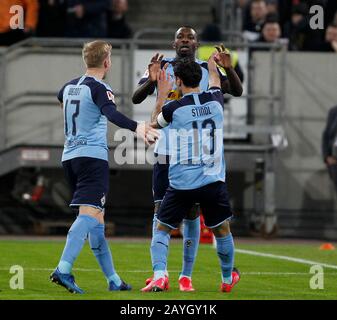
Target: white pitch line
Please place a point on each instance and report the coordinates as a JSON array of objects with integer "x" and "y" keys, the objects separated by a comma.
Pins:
[
  {"x": 279, "y": 257},
  {"x": 252, "y": 273},
  {"x": 75, "y": 269},
  {"x": 282, "y": 273},
  {"x": 243, "y": 251}
]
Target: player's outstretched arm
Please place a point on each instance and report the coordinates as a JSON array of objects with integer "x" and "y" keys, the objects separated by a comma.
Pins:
[
  {"x": 154, "y": 117},
  {"x": 103, "y": 97},
  {"x": 146, "y": 132},
  {"x": 233, "y": 83},
  {"x": 149, "y": 85},
  {"x": 142, "y": 129}
]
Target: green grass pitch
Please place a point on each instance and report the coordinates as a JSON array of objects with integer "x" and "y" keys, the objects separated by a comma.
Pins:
[{"x": 262, "y": 277}]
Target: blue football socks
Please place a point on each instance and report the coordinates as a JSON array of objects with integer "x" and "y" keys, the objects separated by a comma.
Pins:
[
  {"x": 101, "y": 250},
  {"x": 191, "y": 236},
  {"x": 75, "y": 240},
  {"x": 225, "y": 250},
  {"x": 154, "y": 224},
  {"x": 159, "y": 252}
]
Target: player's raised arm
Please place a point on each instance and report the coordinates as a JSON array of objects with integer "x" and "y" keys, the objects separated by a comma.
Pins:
[
  {"x": 164, "y": 86},
  {"x": 232, "y": 84},
  {"x": 213, "y": 76},
  {"x": 147, "y": 85}
]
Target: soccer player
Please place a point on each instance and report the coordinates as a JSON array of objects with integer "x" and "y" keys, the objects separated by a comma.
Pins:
[
  {"x": 87, "y": 104},
  {"x": 185, "y": 44},
  {"x": 197, "y": 165}
]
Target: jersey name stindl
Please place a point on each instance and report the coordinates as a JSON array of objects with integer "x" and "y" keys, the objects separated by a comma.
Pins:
[
  {"x": 163, "y": 143},
  {"x": 196, "y": 148},
  {"x": 201, "y": 111}
]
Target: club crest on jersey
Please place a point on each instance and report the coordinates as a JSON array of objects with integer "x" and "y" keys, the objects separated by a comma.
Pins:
[
  {"x": 111, "y": 97},
  {"x": 188, "y": 243}
]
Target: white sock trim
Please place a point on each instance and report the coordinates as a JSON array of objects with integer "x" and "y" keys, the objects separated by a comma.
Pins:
[{"x": 227, "y": 280}]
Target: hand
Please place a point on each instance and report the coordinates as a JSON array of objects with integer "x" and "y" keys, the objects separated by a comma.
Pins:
[
  {"x": 146, "y": 132},
  {"x": 154, "y": 66},
  {"x": 79, "y": 11},
  {"x": 211, "y": 63},
  {"x": 331, "y": 160},
  {"x": 223, "y": 57},
  {"x": 164, "y": 83},
  {"x": 154, "y": 125},
  {"x": 213, "y": 74}
]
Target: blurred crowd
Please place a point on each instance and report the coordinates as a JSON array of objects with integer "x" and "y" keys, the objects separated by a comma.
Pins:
[
  {"x": 262, "y": 21},
  {"x": 270, "y": 20},
  {"x": 66, "y": 18}
]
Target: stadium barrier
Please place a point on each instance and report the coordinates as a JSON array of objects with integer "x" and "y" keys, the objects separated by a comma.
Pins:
[{"x": 279, "y": 100}]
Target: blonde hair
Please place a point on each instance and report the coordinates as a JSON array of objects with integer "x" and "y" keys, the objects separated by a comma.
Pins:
[{"x": 95, "y": 52}]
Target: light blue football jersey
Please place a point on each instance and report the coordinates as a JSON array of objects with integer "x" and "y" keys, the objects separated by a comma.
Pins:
[
  {"x": 162, "y": 144},
  {"x": 196, "y": 139},
  {"x": 85, "y": 127}
]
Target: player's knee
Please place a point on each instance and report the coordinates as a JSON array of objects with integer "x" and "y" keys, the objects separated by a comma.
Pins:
[
  {"x": 223, "y": 230},
  {"x": 156, "y": 206},
  {"x": 162, "y": 227},
  {"x": 92, "y": 212}
]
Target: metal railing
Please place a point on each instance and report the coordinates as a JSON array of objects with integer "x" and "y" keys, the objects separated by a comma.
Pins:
[
  {"x": 274, "y": 99},
  {"x": 126, "y": 50}
]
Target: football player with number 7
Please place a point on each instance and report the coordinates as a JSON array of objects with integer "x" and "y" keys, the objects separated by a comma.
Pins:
[{"x": 88, "y": 103}]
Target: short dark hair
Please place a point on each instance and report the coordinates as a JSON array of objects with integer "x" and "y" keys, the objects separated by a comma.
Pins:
[
  {"x": 271, "y": 18},
  {"x": 186, "y": 27},
  {"x": 189, "y": 72}
]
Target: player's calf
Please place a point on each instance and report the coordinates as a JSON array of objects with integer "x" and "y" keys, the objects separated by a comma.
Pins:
[{"x": 225, "y": 251}]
